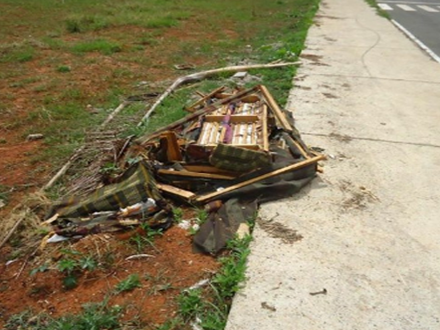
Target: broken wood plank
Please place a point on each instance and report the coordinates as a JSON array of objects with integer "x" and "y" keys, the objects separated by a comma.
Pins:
[
  {"x": 234, "y": 118},
  {"x": 173, "y": 149},
  {"x": 196, "y": 174},
  {"x": 204, "y": 98},
  {"x": 296, "y": 166},
  {"x": 175, "y": 191},
  {"x": 279, "y": 115},
  {"x": 208, "y": 169},
  {"x": 265, "y": 135}
]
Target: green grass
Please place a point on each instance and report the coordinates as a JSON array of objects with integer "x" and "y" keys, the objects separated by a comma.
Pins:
[
  {"x": 63, "y": 68},
  {"x": 98, "y": 316},
  {"x": 129, "y": 284},
  {"x": 98, "y": 45},
  {"x": 19, "y": 54},
  {"x": 211, "y": 305}
]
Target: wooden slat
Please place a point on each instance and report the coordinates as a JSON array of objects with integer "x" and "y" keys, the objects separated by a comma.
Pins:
[
  {"x": 234, "y": 118},
  {"x": 204, "y": 98},
  {"x": 216, "y": 194},
  {"x": 208, "y": 169},
  {"x": 196, "y": 174},
  {"x": 264, "y": 133},
  {"x": 175, "y": 191},
  {"x": 279, "y": 115},
  {"x": 173, "y": 149}
]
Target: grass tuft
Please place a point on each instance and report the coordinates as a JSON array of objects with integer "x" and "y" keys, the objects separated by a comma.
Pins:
[
  {"x": 129, "y": 284},
  {"x": 98, "y": 45}
]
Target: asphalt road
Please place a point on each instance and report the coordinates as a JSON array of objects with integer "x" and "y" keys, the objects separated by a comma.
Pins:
[{"x": 419, "y": 17}]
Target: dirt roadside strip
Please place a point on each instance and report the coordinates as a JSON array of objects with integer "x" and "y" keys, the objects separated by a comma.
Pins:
[{"x": 368, "y": 96}]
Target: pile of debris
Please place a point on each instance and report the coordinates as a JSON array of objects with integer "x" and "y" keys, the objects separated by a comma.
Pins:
[{"x": 232, "y": 152}]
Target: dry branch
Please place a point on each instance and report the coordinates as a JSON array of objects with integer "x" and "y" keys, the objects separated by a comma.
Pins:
[{"x": 202, "y": 75}]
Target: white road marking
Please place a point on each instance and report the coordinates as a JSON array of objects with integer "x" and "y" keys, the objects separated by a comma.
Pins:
[
  {"x": 428, "y": 9},
  {"x": 406, "y": 7},
  {"x": 411, "y": 3},
  {"x": 417, "y": 41},
  {"x": 384, "y": 6}
]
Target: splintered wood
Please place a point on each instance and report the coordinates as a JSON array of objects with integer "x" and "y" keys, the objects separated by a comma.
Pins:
[
  {"x": 241, "y": 124},
  {"x": 203, "y": 154}
]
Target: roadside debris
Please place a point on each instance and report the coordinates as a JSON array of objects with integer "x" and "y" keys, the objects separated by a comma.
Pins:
[
  {"x": 34, "y": 137},
  {"x": 234, "y": 150}
]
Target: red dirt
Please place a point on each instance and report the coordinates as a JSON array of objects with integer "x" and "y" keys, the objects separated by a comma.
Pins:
[{"x": 162, "y": 276}]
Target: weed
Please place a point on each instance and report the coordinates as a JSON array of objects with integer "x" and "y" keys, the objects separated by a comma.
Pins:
[
  {"x": 146, "y": 238},
  {"x": 130, "y": 283},
  {"x": 98, "y": 45},
  {"x": 73, "y": 265},
  {"x": 201, "y": 216},
  {"x": 232, "y": 273},
  {"x": 63, "y": 68},
  {"x": 40, "y": 269},
  {"x": 18, "y": 54},
  {"x": 88, "y": 263},
  {"x": 93, "y": 316},
  {"x": 67, "y": 265},
  {"x": 178, "y": 214},
  {"x": 190, "y": 303}
]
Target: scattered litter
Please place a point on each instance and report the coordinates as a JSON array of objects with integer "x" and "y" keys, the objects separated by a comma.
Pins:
[
  {"x": 34, "y": 137},
  {"x": 139, "y": 256},
  {"x": 240, "y": 75},
  {"x": 196, "y": 324},
  {"x": 323, "y": 291},
  {"x": 184, "y": 66},
  {"x": 199, "y": 284},
  {"x": 265, "y": 305},
  {"x": 10, "y": 262},
  {"x": 184, "y": 224},
  {"x": 57, "y": 238}
]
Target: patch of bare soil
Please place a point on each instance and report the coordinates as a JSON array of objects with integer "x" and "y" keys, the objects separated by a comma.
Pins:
[{"x": 170, "y": 267}]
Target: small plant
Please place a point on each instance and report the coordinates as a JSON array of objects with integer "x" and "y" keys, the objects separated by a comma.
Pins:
[
  {"x": 88, "y": 263},
  {"x": 63, "y": 68},
  {"x": 40, "y": 269},
  {"x": 178, "y": 214},
  {"x": 130, "y": 283},
  {"x": 145, "y": 238},
  {"x": 96, "y": 316},
  {"x": 201, "y": 216},
  {"x": 190, "y": 303},
  {"x": 73, "y": 265}
]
